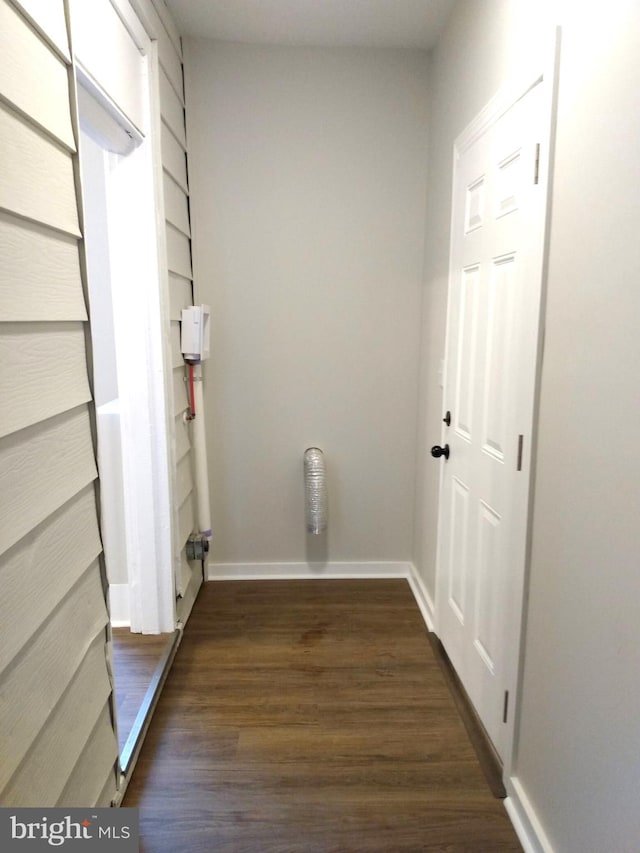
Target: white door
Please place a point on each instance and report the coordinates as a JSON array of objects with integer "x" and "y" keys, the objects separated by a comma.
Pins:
[{"x": 492, "y": 343}]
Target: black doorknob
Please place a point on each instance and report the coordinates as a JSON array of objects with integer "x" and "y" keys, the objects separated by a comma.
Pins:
[{"x": 437, "y": 451}]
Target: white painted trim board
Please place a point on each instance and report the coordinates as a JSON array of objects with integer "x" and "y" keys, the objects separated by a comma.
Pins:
[
  {"x": 119, "y": 607},
  {"x": 422, "y": 597},
  {"x": 306, "y": 571},
  {"x": 525, "y": 821}
]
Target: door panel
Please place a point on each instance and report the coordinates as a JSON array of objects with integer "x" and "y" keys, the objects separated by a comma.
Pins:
[
  {"x": 489, "y": 533},
  {"x": 497, "y": 227},
  {"x": 499, "y": 337},
  {"x": 459, "y": 538},
  {"x": 465, "y": 384}
]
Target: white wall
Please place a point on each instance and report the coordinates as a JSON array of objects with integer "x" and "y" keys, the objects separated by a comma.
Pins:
[
  {"x": 579, "y": 752},
  {"x": 579, "y": 738},
  {"x": 307, "y": 170}
]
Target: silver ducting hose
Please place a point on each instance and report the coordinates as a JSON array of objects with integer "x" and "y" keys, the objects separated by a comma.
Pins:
[{"x": 315, "y": 485}]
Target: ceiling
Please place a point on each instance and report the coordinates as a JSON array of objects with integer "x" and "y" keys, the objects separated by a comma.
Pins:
[{"x": 329, "y": 23}]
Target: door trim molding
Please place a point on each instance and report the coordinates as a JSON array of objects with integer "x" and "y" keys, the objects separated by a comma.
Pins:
[{"x": 146, "y": 417}]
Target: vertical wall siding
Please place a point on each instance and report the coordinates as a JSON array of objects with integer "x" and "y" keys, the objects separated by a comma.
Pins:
[
  {"x": 178, "y": 242},
  {"x": 58, "y": 743}
]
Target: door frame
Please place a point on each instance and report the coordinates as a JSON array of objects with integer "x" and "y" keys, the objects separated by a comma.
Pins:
[
  {"x": 545, "y": 73},
  {"x": 149, "y": 479}
]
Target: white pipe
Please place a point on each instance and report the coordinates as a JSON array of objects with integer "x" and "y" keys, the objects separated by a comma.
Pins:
[
  {"x": 315, "y": 490},
  {"x": 200, "y": 455}
]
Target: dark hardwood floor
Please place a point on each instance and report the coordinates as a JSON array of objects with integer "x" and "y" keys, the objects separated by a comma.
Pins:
[
  {"x": 135, "y": 658},
  {"x": 311, "y": 716}
]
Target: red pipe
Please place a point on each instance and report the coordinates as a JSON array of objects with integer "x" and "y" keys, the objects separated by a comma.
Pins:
[{"x": 192, "y": 393}]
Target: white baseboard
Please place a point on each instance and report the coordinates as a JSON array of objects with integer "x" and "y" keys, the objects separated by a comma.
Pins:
[
  {"x": 524, "y": 819},
  {"x": 305, "y": 571},
  {"x": 422, "y": 597},
  {"x": 119, "y": 607}
]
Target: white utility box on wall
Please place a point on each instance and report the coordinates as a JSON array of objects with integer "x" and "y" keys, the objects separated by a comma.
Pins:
[{"x": 195, "y": 334}]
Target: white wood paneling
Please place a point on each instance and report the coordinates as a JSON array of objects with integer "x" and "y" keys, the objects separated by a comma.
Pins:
[
  {"x": 41, "y": 468},
  {"x": 32, "y": 78},
  {"x": 44, "y": 372},
  {"x": 180, "y": 293},
  {"x": 186, "y": 519},
  {"x": 180, "y": 400},
  {"x": 32, "y": 687},
  {"x": 172, "y": 109},
  {"x": 183, "y": 575},
  {"x": 170, "y": 62},
  {"x": 49, "y": 17},
  {"x": 169, "y": 25},
  {"x": 106, "y": 50},
  {"x": 176, "y": 354},
  {"x": 185, "y": 603},
  {"x": 183, "y": 441},
  {"x": 175, "y": 185},
  {"x": 40, "y": 570},
  {"x": 178, "y": 252},
  {"x": 39, "y": 274},
  {"x": 36, "y": 179},
  {"x": 94, "y": 765},
  {"x": 175, "y": 196},
  {"x": 176, "y": 207},
  {"x": 173, "y": 157},
  {"x": 167, "y": 55},
  {"x": 184, "y": 479},
  {"x": 44, "y": 771}
]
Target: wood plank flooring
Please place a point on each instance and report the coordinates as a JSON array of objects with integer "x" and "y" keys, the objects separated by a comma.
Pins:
[
  {"x": 311, "y": 716},
  {"x": 135, "y": 657}
]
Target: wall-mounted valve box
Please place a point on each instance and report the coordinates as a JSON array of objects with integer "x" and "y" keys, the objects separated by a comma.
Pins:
[
  {"x": 195, "y": 333},
  {"x": 197, "y": 547}
]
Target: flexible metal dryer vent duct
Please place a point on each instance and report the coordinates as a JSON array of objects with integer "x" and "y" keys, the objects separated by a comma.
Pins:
[{"x": 315, "y": 485}]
